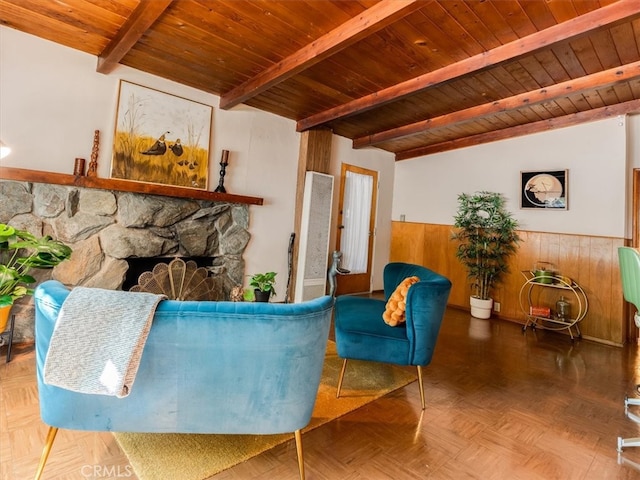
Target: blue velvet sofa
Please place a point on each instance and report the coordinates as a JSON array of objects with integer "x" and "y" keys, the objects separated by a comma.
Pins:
[{"x": 207, "y": 367}]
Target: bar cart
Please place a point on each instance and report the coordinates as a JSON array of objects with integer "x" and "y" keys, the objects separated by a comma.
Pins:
[{"x": 539, "y": 291}]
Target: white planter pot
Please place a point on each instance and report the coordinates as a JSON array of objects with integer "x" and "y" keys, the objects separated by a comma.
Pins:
[{"x": 481, "y": 308}]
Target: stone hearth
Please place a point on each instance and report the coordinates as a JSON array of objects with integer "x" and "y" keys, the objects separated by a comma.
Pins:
[{"x": 104, "y": 228}]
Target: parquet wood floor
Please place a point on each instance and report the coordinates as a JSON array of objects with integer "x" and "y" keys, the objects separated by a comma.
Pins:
[{"x": 500, "y": 405}]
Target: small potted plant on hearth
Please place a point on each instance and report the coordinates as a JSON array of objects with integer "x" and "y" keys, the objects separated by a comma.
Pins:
[
  {"x": 263, "y": 285},
  {"x": 487, "y": 237},
  {"x": 20, "y": 251}
]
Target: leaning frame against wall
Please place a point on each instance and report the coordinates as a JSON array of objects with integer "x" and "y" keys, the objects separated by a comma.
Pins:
[{"x": 313, "y": 252}]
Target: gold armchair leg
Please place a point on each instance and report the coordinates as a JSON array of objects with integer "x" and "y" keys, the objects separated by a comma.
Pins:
[
  {"x": 51, "y": 436},
  {"x": 298, "y": 436},
  {"x": 421, "y": 385},
  {"x": 344, "y": 367}
]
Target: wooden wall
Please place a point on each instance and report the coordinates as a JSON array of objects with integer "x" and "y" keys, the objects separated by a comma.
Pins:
[{"x": 591, "y": 261}]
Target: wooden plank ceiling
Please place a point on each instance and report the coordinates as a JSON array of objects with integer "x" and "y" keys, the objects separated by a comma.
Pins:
[{"x": 410, "y": 77}]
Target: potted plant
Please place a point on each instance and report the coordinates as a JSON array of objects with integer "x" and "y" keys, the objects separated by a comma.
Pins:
[
  {"x": 263, "y": 284},
  {"x": 20, "y": 251},
  {"x": 487, "y": 237}
]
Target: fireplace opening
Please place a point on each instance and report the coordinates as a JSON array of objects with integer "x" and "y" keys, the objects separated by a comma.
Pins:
[{"x": 139, "y": 265}]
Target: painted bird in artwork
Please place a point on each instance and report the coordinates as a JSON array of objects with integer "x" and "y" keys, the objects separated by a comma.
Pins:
[
  {"x": 191, "y": 164},
  {"x": 176, "y": 148},
  {"x": 158, "y": 148}
]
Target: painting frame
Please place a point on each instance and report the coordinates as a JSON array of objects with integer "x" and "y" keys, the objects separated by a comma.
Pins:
[
  {"x": 544, "y": 189},
  {"x": 161, "y": 138}
]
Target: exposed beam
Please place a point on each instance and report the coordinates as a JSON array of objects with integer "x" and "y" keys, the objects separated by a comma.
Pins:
[
  {"x": 602, "y": 113},
  {"x": 142, "y": 17},
  {"x": 370, "y": 21},
  {"x": 548, "y": 94},
  {"x": 571, "y": 29}
]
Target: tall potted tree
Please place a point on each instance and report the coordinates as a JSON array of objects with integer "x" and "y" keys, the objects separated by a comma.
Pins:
[{"x": 487, "y": 237}]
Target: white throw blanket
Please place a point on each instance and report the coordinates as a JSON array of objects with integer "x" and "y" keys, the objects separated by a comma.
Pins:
[{"x": 98, "y": 340}]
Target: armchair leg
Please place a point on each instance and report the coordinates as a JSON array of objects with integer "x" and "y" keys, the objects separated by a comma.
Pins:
[
  {"x": 344, "y": 367},
  {"x": 298, "y": 436},
  {"x": 51, "y": 436},
  {"x": 421, "y": 385},
  {"x": 627, "y": 442}
]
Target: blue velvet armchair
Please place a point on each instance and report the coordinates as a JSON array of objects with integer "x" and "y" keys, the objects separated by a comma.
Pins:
[
  {"x": 206, "y": 367},
  {"x": 362, "y": 334}
]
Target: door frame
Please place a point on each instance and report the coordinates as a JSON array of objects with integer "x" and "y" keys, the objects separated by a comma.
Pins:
[
  {"x": 357, "y": 283},
  {"x": 635, "y": 222},
  {"x": 632, "y": 331}
]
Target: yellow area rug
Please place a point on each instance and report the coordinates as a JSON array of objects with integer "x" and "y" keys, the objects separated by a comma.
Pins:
[{"x": 196, "y": 457}]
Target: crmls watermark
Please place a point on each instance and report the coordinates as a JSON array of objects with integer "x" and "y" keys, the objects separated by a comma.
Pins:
[{"x": 106, "y": 471}]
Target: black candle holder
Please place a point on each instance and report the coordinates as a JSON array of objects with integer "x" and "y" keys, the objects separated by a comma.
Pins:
[{"x": 224, "y": 161}]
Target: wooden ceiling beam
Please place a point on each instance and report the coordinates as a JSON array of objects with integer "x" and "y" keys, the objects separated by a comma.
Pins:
[
  {"x": 370, "y": 21},
  {"x": 142, "y": 17},
  {"x": 602, "y": 113},
  {"x": 576, "y": 86},
  {"x": 562, "y": 32}
]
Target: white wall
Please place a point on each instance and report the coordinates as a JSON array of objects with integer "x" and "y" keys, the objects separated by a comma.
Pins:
[{"x": 594, "y": 153}]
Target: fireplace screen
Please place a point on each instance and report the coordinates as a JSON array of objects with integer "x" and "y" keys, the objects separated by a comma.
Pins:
[{"x": 178, "y": 280}]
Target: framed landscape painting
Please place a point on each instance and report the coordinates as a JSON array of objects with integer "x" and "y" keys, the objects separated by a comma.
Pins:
[{"x": 161, "y": 138}]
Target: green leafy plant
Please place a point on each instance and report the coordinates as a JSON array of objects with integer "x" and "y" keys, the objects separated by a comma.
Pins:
[
  {"x": 248, "y": 296},
  {"x": 20, "y": 251},
  {"x": 263, "y": 281},
  {"x": 487, "y": 237}
]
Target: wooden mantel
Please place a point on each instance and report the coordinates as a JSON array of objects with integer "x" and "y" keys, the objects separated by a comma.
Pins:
[{"x": 37, "y": 176}]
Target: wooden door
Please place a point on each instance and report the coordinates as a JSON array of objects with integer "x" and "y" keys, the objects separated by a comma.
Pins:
[
  {"x": 636, "y": 208},
  {"x": 359, "y": 280},
  {"x": 633, "y": 333}
]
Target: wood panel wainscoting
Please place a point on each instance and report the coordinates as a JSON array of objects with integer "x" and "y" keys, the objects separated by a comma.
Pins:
[{"x": 589, "y": 260}]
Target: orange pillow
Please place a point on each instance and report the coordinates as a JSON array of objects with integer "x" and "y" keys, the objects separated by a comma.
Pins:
[{"x": 394, "y": 313}]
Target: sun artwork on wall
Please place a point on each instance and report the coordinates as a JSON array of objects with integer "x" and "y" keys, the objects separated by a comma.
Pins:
[{"x": 544, "y": 189}]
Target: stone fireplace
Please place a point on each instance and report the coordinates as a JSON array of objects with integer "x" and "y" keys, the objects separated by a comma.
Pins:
[{"x": 105, "y": 228}]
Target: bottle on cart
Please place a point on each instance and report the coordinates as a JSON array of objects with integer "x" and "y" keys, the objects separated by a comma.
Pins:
[{"x": 563, "y": 309}]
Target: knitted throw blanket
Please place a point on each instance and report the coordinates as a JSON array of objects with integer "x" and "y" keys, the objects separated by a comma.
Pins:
[{"x": 98, "y": 340}]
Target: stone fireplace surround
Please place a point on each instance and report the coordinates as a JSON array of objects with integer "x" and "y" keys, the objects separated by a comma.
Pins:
[{"x": 105, "y": 228}]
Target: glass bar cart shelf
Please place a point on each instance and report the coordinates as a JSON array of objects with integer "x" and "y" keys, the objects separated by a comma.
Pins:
[{"x": 562, "y": 286}]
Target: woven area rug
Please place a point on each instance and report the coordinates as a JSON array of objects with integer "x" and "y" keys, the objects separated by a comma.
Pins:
[{"x": 196, "y": 457}]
